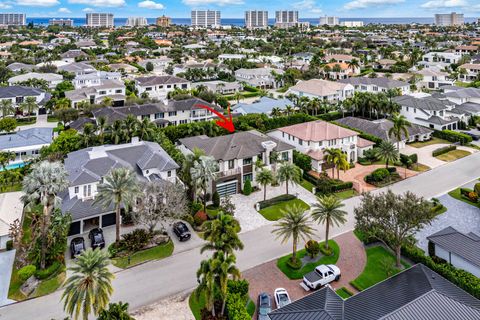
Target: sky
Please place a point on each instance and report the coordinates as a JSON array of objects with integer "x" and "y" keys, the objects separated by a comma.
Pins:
[{"x": 236, "y": 8}]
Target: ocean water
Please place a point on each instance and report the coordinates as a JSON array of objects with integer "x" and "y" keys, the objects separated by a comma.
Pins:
[{"x": 240, "y": 22}]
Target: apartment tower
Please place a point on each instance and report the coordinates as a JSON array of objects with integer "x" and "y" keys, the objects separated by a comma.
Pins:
[
  {"x": 449, "y": 19},
  {"x": 255, "y": 19},
  {"x": 286, "y": 19},
  {"x": 205, "y": 19},
  {"x": 99, "y": 20},
  {"x": 13, "y": 19}
]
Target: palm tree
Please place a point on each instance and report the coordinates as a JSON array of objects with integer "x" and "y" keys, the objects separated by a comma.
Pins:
[
  {"x": 224, "y": 266},
  {"x": 289, "y": 172},
  {"x": 89, "y": 288},
  {"x": 145, "y": 129},
  {"x": 188, "y": 164},
  {"x": 342, "y": 163},
  {"x": 400, "y": 126},
  {"x": 130, "y": 125},
  {"x": 117, "y": 133},
  {"x": 265, "y": 177},
  {"x": 62, "y": 104},
  {"x": 6, "y": 107},
  {"x": 237, "y": 96},
  {"x": 101, "y": 126},
  {"x": 29, "y": 105},
  {"x": 203, "y": 172},
  {"x": 293, "y": 225},
  {"x": 387, "y": 152},
  {"x": 276, "y": 112},
  {"x": 107, "y": 102},
  {"x": 120, "y": 187},
  {"x": 327, "y": 211},
  {"x": 207, "y": 284},
  {"x": 353, "y": 64},
  {"x": 331, "y": 157},
  {"x": 115, "y": 311},
  {"x": 88, "y": 134},
  {"x": 42, "y": 185},
  {"x": 221, "y": 234}
]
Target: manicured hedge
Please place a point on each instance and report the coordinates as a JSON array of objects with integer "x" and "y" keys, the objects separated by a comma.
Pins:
[
  {"x": 331, "y": 116},
  {"x": 273, "y": 201},
  {"x": 302, "y": 161},
  {"x": 55, "y": 268},
  {"x": 461, "y": 278},
  {"x": 26, "y": 272},
  {"x": 443, "y": 150},
  {"x": 236, "y": 307},
  {"x": 413, "y": 158},
  {"x": 342, "y": 186},
  {"x": 453, "y": 136}
]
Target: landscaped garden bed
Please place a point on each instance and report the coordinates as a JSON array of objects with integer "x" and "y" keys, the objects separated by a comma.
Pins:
[
  {"x": 291, "y": 273},
  {"x": 467, "y": 195},
  {"x": 383, "y": 177},
  {"x": 276, "y": 210}
]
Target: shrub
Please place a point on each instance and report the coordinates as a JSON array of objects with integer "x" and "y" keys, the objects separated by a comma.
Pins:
[
  {"x": 196, "y": 206},
  {"x": 391, "y": 169},
  {"x": 279, "y": 199},
  {"x": 302, "y": 161},
  {"x": 378, "y": 175},
  {"x": 135, "y": 240},
  {"x": 473, "y": 196},
  {"x": 26, "y": 272},
  {"x": 443, "y": 150},
  {"x": 189, "y": 219},
  {"x": 200, "y": 217},
  {"x": 9, "y": 245},
  {"x": 113, "y": 250},
  {"x": 312, "y": 247},
  {"x": 55, "y": 268},
  {"x": 236, "y": 307},
  {"x": 247, "y": 187},
  {"x": 342, "y": 186},
  {"x": 238, "y": 286},
  {"x": 325, "y": 251},
  {"x": 294, "y": 264},
  {"x": 453, "y": 136},
  {"x": 465, "y": 191},
  {"x": 216, "y": 199},
  {"x": 476, "y": 188}
]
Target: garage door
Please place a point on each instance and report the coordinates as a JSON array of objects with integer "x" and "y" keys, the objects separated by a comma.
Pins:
[
  {"x": 227, "y": 188},
  {"x": 74, "y": 228},
  {"x": 108, "y": 220}
]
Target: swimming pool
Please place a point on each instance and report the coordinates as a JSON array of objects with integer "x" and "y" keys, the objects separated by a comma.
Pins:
[{"x": 14, "y": 166}]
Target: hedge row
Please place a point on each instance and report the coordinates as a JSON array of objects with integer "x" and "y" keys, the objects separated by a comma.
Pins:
[
  {"x": 302, "y": 161},
  {"x": 236, "y": 302},
  {"x": 273, "y": 201},
  {"x": 461, "y": 278},
  {"x": 331, "y": 116},
  {"x": 443, "y": 150},
  {"x": 453, "y": 136}
]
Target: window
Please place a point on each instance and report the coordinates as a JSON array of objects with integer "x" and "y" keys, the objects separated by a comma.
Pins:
[
  {"x": 247, "y": 161},
  {"x": 172, "y": 113},
  {"x": 247, "y": 176},
  {"x": 87, "y": 190},
  {"x": 102, "y": 92},
  {"x": 300, "y": 142},
  {"x": 75, "y": 190},
  {"x": 118, "y": 91},
  {"x": 169, "y": 174},
  {"x": 285, "y": 156},
  {"x": 231, "y": 163},
  {"x": 148, "y": 89},
  {"x": 159, "y": 115}
]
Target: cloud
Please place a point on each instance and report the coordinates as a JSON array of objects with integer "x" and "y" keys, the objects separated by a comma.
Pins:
[
  {"x": 100, "y": 3},
  {"x": 38, "y": 3},
  {"x": 148, "y": 4},
  {"x": 362, "y": 4},
  {"x": 64, "y": 10},
  {"x": 4, "y": 5},
  {"x": 193, "y": 3},
  {"x": 437, "y": 4},
  {"x": 307, "y": 5},
  {"x": 88, "y": 10}
]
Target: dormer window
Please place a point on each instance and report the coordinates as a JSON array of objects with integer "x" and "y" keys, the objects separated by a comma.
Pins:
[{"x": 75, "y": 190}]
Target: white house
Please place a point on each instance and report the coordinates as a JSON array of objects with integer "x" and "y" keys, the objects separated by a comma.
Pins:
[
  {"x": 18, "y": 94},
  {"x": 94, "y": 79},
  {"x": 158, "y": 87},
  {"x": 433, "y": 78},
  {"x": 259, "y": 77},
  {"x": 26, "y": 144},
  {"x": 113, "y": 89},
  {"x": 439, "y": 60},
  {"x": 377, "y": 85},
  {"x": 322, "y": 89},
  {"x": 472, "y": 72},
  {"x": 459, "y": 249},
  {"x": 52, "y": 79}
]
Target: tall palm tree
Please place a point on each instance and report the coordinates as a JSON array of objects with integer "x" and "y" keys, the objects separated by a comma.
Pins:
[
  {"x": 89, "y": 288},
  {"x": 224, "y": 267},
  {"x": 119, "y": 188},
  {"x": 221, "y": 235},
  {"x": 293, "y": 225},
  {"x": 264, "y": 177},
  {"x": 29, "y": 105},
  {"x": 88, "y": 134},
  {"x": 42, "y": 185},
  {"x": 331, "y": 157},
  {"x": 289, "y": 173},
  {"x": 387, "y": 152},
  {"x": 342, "y": 163},
  {"x": 130, "y": 125},
  {"x": 327, "y": 211},
  {"x": 6, "y": 107},
  {"x": 400, "y": 127},
  {"x": 145, "y": 129},
  {"x": 62, "y": 104},
  {"x": 101, "y": 127},
  {"x": 187, "y": 165},
  {"x": 203, "y": 172},
  {"x": 276, "y": 112},
  {"x": 207, "y": 284}
]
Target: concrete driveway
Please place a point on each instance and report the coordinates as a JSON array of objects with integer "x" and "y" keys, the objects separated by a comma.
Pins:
[{"x": 425, "y": 153}]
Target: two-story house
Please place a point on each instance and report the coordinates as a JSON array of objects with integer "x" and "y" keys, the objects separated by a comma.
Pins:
[
  {"x": 113, "y": 89},
  {"x": 158, "y": 87},
  {"x": 439, "y": 60},
  {"x": 433, "y": 78},
  {"x": 52, "y": 79},
  {"x": 259, "y": 77},
  {"x": 340, "y": 70},
  {"x": 236, "y": 155},
  {"x": 26, "y": 144},
  {"x": 18, "y": 94},
  {"x": 323, "y": 89},
  {"x": 94, "y": 78},
  {"x": 471, "y": 73},
  {"x": 86, "y": 169},
  {"x": 77, "y": 68},
  {"x": 377, "y": 85},
  {"x": 171, "y": 113},
  {"x": 312, "y": 138}
]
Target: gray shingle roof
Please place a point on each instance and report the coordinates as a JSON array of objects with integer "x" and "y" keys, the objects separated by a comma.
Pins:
[
  {"x": 238, "y": 145},
  {"x": 424, "y": 103},
  {"x": 26, "y": 137},
  {"x": 19, "y": 91},
  {"x": 416, "y": 293},
  {"x": 466, "y": 246},
  {"x": 468, "y": 107},
  {"x": 159, "y": 80},
  {"x": 379, "y": 82}
]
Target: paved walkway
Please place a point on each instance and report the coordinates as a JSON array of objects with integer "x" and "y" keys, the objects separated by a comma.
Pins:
[
  {"x": 425, "y": 153},
  {"x": 41, "y": 123},
  {"x": 7, "y": 259}
]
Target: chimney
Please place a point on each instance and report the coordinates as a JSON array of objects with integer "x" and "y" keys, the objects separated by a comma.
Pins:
[{"x": 135, "y": 140}]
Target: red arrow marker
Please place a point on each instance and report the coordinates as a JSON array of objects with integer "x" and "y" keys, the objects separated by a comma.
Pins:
[{"x": 224, "y": 122}]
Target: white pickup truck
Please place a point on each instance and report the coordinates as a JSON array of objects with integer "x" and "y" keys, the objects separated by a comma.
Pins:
[{"x": 322, "y": 275}]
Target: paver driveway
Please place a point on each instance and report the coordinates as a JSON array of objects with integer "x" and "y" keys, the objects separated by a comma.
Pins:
[{"x": 425, "y": 153}]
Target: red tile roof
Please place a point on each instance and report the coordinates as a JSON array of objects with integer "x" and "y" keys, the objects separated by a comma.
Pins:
[{"x": 318, "y": 131}]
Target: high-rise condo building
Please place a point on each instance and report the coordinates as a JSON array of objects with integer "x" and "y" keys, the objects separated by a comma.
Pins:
[
  {"x": 329, "y": 21},
  {"x": 61, "y": 22},
  {"x": 352, "y": 24},
  {"x": 136, "y": 22},
  {"x": 99, "y": 20},
  {"x": 205, "y": 18},
  {"x": 255, "y": 19},
  {"x": 449, "y": 19},
  {"x": 164, "y": 21},
  {"x": 13, "y": 19},
  {"x": 286, "y": 19}
]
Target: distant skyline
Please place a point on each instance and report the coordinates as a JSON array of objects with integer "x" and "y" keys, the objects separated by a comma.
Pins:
[{"x": 236, "y": 8}]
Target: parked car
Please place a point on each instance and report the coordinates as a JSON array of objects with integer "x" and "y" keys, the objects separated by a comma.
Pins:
[
  {"x": 474, "y": 136},
  {"x": 77, "y": 246},
  {"x": 96, "y": 237},
  {"x": 322, "y": 275},
  {"x": 264, "y": 306},
  {"x": 281, "y": 297},
  {"x": 181, "y": 231}
]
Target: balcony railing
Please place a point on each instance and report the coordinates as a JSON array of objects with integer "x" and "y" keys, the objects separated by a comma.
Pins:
[{"x": 230, "y": 172}]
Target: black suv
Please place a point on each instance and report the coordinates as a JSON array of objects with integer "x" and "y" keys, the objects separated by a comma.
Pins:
[
  {"x": 181, "y": 231},
  {"x": 77, "y": 246},
  {"x": 96, "y": 238}
]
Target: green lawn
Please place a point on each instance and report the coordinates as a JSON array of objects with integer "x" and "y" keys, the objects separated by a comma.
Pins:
[
  {"x": 420, "y": 144},
  {"x": 456, "y": 194},
  {"x": 307, "y": 185},
  {"x": 11, "y": 188},
  {"x": 155, "y": 253},
  {"x": 196, "y": 305},
  {"x": 453, "y": 155},
  {"x": 344, "y": 293},
  {"x": 419, "y": 167},
  {"x": 375, "y": 271},
  {"x": 298, "y": 274},
  {"x": 14, "y": 289},
  {"x": 342, "y": 195},
  {"x": 274, "y": 212},
  {"x": 50, "y": 285}
]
